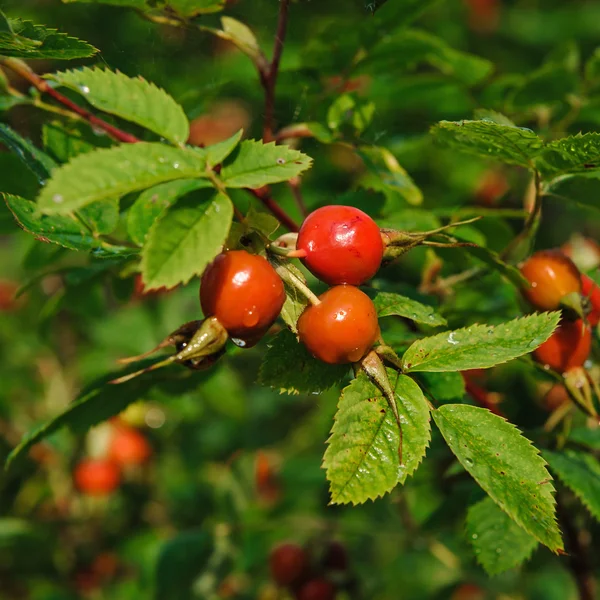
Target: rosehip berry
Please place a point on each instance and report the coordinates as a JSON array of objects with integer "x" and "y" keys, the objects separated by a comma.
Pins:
[
  {"x": 568, "y": 347},
  {"x": 591, "y": 290},
  {"x": 317, "y": 589},
  {"x": 128, "y": 446},
  {"x": 97, "y": 477},
  {"x": 552, "y": 276},
  {"x": 342, "y": 328},
  {"x": 244, "y": 293},
  {"x": 342, "y": 244},
  {"x": 288, "y": 564},
  {"x": 556, "y": 397},
  {"x": 335, "y": 557}
]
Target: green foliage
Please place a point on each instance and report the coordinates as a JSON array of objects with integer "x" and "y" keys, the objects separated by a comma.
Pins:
[
  {"x": 506, "y": 465},
  {"x": 132, "y": 99},
  {"x": 499, "y": 543},
  {"x": 259, "y": 164},
  {"x": 23, "y": 39},
  {"x": 576, "y": 154},
  {"x": 366, "y": 457},
  {"x": 65, "y": 141},
  {"x": 486, "y": 139},
  {"x": 580, "y": 472},
  {"x": 114, "y": 172},
  {"x": 185, "y": 239},
  {"x": 480, "y": 346},
  {"x": 388, "y": 304}
]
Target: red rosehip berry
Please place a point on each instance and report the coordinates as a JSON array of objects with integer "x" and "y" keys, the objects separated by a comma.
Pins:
[
  {"x": 97, "y": 476},
  {"x": 591, "y": 290},
  {"x": 342, "y": 328},
  {"x": 288, "y": 564},
  {"x": 552, "y": 276},
  {"x": 244, "y": 293},
  {"x": 568, "y": 347},
  {"x": 317, "y": 589},
  {"x": 128, "y": 446},
  {"x": 342, "y": 244}
]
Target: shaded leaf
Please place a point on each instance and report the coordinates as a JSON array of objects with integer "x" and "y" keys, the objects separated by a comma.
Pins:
[
  {"x": 506, "y": 465},
  {"x": 583, "y": 189},
  {"x": 131, "y": 98},
  {"x": 362, "y": 457},
  {"x": 191, "y": 8},
  {"x": 511, "y": 145},
  {"x": 575, "y": 154},
  {"x": 388, "y": 304},
  {"x": 586, "y": 437},
  {"x": 287, "y": 366},
  {"x": 113, "y": 172},
  {"x": 64, "y": 141},
  {"x": 188, "y": 236},
  {"x": 442, "y": 386},
  {"x": 499, "y": 543},
  {"x": 480, "y": 346},
  {"x": 580, "y": 472},
  {"x": 241, "y": 35},
  {"x": 258, "y": 164}
]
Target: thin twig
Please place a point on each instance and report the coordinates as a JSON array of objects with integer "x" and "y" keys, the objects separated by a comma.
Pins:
[
  {"x": 297, "y": 193},
  {"x": 269, "y": 81},
  {"x": 43, "y": 86}
]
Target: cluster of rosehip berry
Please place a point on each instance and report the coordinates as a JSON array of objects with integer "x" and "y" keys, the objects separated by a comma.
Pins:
[
  {"x": 340, "y": 245},
  {"x": 101, "y": 475},
  {"x": 310, "y": 574},
  {"x": 556, "y": 283}
]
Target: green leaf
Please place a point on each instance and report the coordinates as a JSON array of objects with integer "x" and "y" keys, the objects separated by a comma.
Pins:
[
  {"x": 258, "y": 164},
  {"x": 102, "y": 217},
  {"x": 139, "y": 4},
  {"x": 582, "y": 189},
  {"x": 62, "y": 230},
  {"x": 443, "y": 386},
  {"x": 499, "y": 543},
  {"x": 575, "y": 154},
  {"x": 288, "y": 367},
  {"x": 39, "y": 164},
  {"x": 36, "y": 41},
  {"x": 388, "y": 304},
  {"x": 592, "y": 69},
  {"x": 95, "y": 404},
  {"x": 506, "y": 465},
  {"x": 131, "y": 98},
  {"x": 480, "y": 346},
  {"x": 586, "y": 437},
  {"x": 511, "y": 145},
  {"x": 242, "y": 36},
  {"x": 65, "y": 141},
  {"x": 191, "y": 8},
  {"x": 153, "y": 202},
  {"x": 386, "y": 175},
  {"x": 493, "y": 260},
  {"x": 362, "y": 457},
  {"x": 580, "y": 472},
  {"x": 217, "y": 153},
  {"x": 545, "y": 87},
  {"x": 113, "y": 172},
  {"x": 407, "y": 49},
  {"x": 188, "y": 236},
  {"x": 180, "y": 561},
  {"x": 347, "y": 110}
]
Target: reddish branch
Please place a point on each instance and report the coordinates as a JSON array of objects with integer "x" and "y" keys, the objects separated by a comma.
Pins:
[
  {"x": 269, "y": 79},
  {"x": 44, "y": 87},
  {"x": 264, "y": 195}
]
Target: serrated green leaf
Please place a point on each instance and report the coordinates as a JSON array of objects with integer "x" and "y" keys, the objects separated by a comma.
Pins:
[
  {"x": 499, "y": 543},
  {"x": 65, "y": 141},
  {"x": 388, "y": 304},
  {"x": 289, "y": 368},
  {"x": 295, "y": 301},
  {"x": 586, "y": 437},
  {"x": 362, "y": 458},
  {"x": 480, "y": 346},
  {"x": 191, "y": 8},
  {"x": 580, "y": 472},
  {"x": 187, "y": 237},
  {"x": 511, "y": 145},
  {"x": 386, "y": 175},
  {"x": 258, "y": 164},
  {"x": 582, "y": 189},
  {"x": 102, "y": 217},
  {"x": 506, "y": 465},
  {"x": 545, "y": 87},
  {"x": 36, "y": 41},
  {"x": 95, "y": 404},
  {"x": 131, "y": 98},
  {"x": 258, "y": 220},
  {"x": 153, "y": 202},
  {"x": 575, "y": 154},
  {"x": 113, "y": 172},
  {"x": 348, "y": 111},
  {"x": 217, "y": 153},
  {"x": 39, "y": 163}
]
